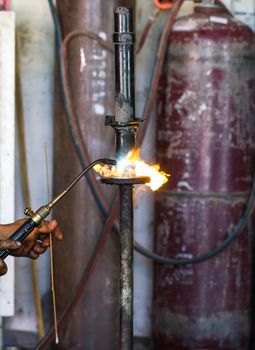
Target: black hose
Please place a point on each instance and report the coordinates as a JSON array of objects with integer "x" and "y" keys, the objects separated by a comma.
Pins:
[{"x": 215, "y": 251}]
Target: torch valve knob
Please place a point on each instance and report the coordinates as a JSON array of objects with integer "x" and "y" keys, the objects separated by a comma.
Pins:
[{"x": 28, "y": 211}]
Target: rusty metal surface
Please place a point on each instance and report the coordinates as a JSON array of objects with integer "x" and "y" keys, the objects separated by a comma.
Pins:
[
  {"x": 206, "y": 141},
  {"x": 125, "y": 121},
  {"x": 205, "y": 305},
  {"x": 126, "y": 266},
  {"x": 94, "y": 324},
  {"x": 209, "y": 81},
  {"x": 123, "y": 40}
]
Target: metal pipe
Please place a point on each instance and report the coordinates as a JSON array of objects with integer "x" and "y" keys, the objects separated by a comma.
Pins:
[
  {"x": 126, "y": 267},
  {"x": 125, "y": 124},
  {"x": 123, "y": 38},
  {"x": 126, "y": 187}
]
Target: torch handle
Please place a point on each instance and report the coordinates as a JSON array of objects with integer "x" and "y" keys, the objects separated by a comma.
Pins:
[
  {"x": 19, "y": 235},
  {"x": 23, "y": 231}
]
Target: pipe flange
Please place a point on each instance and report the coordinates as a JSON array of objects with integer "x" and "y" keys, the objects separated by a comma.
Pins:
[{"x": 139, "y": 180}]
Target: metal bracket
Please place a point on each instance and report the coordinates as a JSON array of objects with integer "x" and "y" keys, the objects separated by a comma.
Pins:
[
  {"x": 110, "y": 121},
  {"x": 123, "y": 38}
]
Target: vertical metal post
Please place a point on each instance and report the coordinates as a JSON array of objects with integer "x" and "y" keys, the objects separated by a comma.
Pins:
[
  {"x": 125, "y": 125},
  {"x": 123, "y": 38},
  {"x": 126, "y": 267},
  {"x": 125, "y": 122}
]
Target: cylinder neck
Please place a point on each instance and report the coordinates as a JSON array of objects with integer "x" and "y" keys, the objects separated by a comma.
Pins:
[{"x": 209, "y": 6}]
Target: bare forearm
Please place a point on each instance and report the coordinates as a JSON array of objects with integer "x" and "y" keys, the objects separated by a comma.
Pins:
[{"x": 5, "y": 232}]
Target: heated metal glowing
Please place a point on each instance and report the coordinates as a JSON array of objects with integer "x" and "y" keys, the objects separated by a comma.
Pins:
[{"x": 132, "y": 166}]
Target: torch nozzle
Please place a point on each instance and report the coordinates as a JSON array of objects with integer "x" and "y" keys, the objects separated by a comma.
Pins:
[{"x": 110, "y": 161}]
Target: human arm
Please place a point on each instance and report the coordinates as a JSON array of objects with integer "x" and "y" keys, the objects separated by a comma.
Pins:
[
  {"x": 10, "y": 245},
  {"x": 31, "y": 246}
]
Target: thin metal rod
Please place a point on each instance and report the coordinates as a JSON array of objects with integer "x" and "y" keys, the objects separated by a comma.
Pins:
[
  {"x": 53, "y": 291},
  {"x": 126, "y": 267},
  {"x": 25, "y": 186},
  {"x": 62, "y": 194},
  {"x": 68, "y": 188}
]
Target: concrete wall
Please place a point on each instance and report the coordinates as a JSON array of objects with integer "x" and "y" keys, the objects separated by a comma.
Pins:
[{"x": 244, "y": 10}]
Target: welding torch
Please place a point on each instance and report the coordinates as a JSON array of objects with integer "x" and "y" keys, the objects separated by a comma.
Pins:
[{"x": 36, "y": 218}]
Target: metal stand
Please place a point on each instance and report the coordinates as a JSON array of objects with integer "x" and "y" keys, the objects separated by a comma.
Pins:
[
  {"x": 126, "y": 187},
  {"x": 126, "y": 267},
  {"x": 125, "y": 125}
]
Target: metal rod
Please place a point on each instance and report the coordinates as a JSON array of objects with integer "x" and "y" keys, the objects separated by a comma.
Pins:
[
  {"x": 126, "y": 267},
  {"x": 63, "y": 193},
  {"x": 125, "y": 128}
]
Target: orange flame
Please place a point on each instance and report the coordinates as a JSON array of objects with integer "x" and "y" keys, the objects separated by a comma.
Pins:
[{"x": 133, "y": 166}]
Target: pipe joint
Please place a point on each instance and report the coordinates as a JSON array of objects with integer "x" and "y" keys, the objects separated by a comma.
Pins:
[{"x": 124, "y": 38}]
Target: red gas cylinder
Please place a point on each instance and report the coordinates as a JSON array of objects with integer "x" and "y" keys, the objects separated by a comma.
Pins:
[{"x": 206, "y": 141}]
